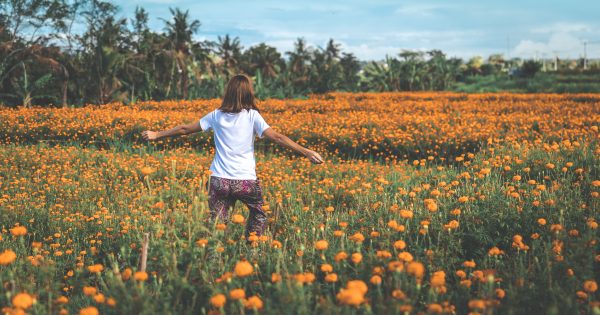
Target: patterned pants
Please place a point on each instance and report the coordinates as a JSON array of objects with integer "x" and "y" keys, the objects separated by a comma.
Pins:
[{"x": 224, "y": 192}]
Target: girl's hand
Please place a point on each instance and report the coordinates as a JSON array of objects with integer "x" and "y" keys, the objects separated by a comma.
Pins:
[
  {"x": 313, "y": 156},
  {"x": 149, "y": 135}
]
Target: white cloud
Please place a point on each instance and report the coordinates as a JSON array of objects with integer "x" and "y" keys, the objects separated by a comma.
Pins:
[
  {"x": 564, "y": 44},
  {"x": 562, "y": 27}
]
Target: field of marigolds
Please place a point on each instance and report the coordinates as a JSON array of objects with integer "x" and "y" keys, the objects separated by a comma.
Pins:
[{"x": 428, "y": 203}]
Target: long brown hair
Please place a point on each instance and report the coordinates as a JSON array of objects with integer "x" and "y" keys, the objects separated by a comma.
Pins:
[{"x": 239, "y": 95}]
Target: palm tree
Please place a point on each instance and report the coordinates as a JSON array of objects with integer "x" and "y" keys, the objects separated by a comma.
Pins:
[
  {"x": 350, "y": 69},
  {"x": 299, "y": 62},
  {"x": 179, "y": 32},
  {"x": 263, "y": 58},
  {"x": 411, "y": 67},
  {"x": 230, "y": 51}
]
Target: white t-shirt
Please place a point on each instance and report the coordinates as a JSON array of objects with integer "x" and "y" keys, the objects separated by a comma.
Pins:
[{"x": 234, "y": 142}]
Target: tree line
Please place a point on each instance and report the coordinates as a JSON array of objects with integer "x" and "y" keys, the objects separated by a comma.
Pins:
[{"x": 76, "y": 52}]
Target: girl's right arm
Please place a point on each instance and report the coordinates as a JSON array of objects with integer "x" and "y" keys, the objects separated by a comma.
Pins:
[
  {"x": 280, "y": 139},
  {"x": 180, "y": 130}
]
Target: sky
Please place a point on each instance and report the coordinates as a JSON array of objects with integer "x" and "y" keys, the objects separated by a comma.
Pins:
[{"x": 372, "y": 29}]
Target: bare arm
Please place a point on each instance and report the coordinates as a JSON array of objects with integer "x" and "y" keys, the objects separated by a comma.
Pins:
[
  {"x": 180, "y": 130},
  {"x": 280, "y": 139}
]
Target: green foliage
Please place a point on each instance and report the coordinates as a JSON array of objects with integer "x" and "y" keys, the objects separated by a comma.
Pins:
[{"x": 112, "y": 59}]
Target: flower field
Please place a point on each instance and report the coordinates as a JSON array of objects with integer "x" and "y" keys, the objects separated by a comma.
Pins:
[{"x": 427, "y": 203}]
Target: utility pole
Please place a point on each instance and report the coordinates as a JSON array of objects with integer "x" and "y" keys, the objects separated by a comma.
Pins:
[
  {"x": 585, "y": 56},
  {"x": 555, "y": 60},
  {"x": 508, "y": 47},
  {"x": 585, "y": 66}
]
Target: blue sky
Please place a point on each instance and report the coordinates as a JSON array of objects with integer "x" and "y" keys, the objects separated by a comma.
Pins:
[{"x": 373, "y": 28}]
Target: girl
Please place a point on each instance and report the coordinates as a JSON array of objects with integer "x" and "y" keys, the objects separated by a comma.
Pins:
[{"x": 233, "y": 169}]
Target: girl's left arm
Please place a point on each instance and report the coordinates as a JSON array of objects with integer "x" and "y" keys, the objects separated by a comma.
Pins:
[{"x": 180, "y": 130}]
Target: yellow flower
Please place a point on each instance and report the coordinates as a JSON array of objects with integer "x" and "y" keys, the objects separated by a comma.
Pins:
[
  {"x": 243, "y": 269},
  {"x": 7, "y": 257},
  {"x": 22, "y": 301},
  {"x": 218, "y": 300}
]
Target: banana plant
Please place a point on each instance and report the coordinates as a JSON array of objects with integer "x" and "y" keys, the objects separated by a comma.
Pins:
[{"x": 27, "y": 91}]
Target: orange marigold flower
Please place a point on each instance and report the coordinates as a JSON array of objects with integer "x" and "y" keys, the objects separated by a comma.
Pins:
[
  {"x": 357, "y": 237},
  {"x": 140, "y": 276},
  {"x": 243, "y": 269},
  {"x": 357, "y": 285},
  {"x": 18, "y": 231},
  {"x": 7, "y": 257},
  {"x": 126, "y": 274},
  {"x": 275, "y": 277},
  {"x": 253, "y": 302},
  {"x": 90, "y": 310},
  {"x": 356, "y": 258},
  {"x": 398, "y": 294},
  {"x": 331, "y": 277},
  {"x": 434, "y": 308},
  {"x": 350, "y": 297},
  {"x": 90, "y": 291},
  {"x": 326, "y": 268},
  {"x": 477, "y": 304},
  {"x": 218, "y": 300},
  {"x": 590, "y": 286},
  {"x": 469, "y": 264},
  {"x": 399, "y": 245},
  {"x": 500, "y": 293},
  {"x": 237, "y": 294},
  {"x": 438, "y": 279},
  {"x": 415, "y": 269},
  {"x": 238, "y": 219},
  {"x": 96, "y": 268},
  {"x": 202, "y": 242},
  {"x": 340, "y": 256},
  {"x": 405, "y": 256},
  {"x": 147, "y": 170},
  {"x": 376, "y": 280},
  {"x": 23, "y": 301},
  {"x": 321, "y": 245}
]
